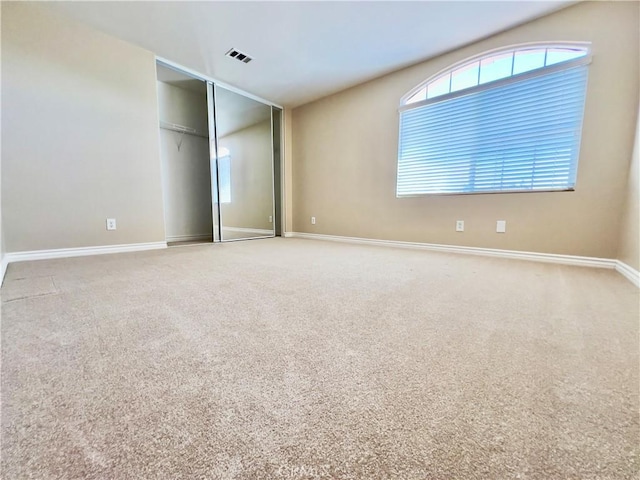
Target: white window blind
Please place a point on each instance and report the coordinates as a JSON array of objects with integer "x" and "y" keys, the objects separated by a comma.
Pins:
[{"x": 521, "y": 135}]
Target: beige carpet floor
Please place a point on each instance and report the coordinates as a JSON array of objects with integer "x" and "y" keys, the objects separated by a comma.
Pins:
[{"x": 299, "y": 359}]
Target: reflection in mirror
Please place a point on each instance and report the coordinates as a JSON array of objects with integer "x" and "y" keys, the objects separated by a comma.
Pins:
[{"x": 245, "y": 166}]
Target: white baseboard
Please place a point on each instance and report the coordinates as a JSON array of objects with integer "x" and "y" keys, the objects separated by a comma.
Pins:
[
  {"x": 258, "y": 231},
  {"x": 487, "y": 252},
  {"x": 628, "y": 272},
  {"x": 190, "y": 238},
  {"x": 3, "y": 268},
  {"x": 81, "y": 251},
  {"x": 625, "y": 270}
]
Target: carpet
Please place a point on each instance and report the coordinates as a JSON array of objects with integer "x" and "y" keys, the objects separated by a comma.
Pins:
[{"x": 302, "y": 359}]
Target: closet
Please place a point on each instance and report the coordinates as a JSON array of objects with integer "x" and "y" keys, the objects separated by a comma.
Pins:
[
  {"x": 221, "y": 161},
  {"x": 184, "y": 154}
]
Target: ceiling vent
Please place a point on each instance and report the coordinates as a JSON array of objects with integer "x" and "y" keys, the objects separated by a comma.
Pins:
[{"x": 238, "y": 55}]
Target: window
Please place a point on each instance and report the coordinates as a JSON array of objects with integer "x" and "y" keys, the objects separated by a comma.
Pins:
[
  {"x": 508, "y": 121},
  {"x": 224, "y": 175}
]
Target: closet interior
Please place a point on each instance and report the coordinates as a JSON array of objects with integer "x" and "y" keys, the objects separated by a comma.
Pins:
[
  {"x": 221, "y": 161},
  {"x": 184, "y": 153}
]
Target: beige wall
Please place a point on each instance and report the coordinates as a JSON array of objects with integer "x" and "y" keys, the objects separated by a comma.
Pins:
[
  {"x": 251, "y": 178},
  {"x": 345, "y": 153},
  {"x": 2, "y": 243},
  {"x": 79, "y": 135},
  {"x": 186, "y": 174},
  {"x": 629, "y": 232},
  {"x": 288, "y": 169}
]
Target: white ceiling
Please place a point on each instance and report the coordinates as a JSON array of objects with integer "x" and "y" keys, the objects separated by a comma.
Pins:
[{"x": 302, "y": 51}]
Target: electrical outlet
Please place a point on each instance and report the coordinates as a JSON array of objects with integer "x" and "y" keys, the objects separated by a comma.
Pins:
[
  {"x": 313, "y": 220},
  {"x": 459, "y": 225},
  {"x": 111, "y": 223},
  {"x": 270, "y": 218},
  {"x": 501, "y": 226}
]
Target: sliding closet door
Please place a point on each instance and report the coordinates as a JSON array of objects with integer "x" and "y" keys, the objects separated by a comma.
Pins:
[{"x": 244, "y": 158}]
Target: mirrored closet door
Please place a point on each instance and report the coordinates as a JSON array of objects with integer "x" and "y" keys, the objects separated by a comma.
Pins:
[{"x": 245, "y": 166}]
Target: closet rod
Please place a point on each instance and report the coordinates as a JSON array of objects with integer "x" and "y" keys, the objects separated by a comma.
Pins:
[{"x": 181, "y": 129}]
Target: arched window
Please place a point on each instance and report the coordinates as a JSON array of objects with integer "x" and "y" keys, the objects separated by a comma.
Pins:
[{"x": 508, "y": 120}]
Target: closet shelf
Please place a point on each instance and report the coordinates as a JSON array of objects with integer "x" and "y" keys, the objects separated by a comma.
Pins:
[{"x": 182, "y": 129}]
